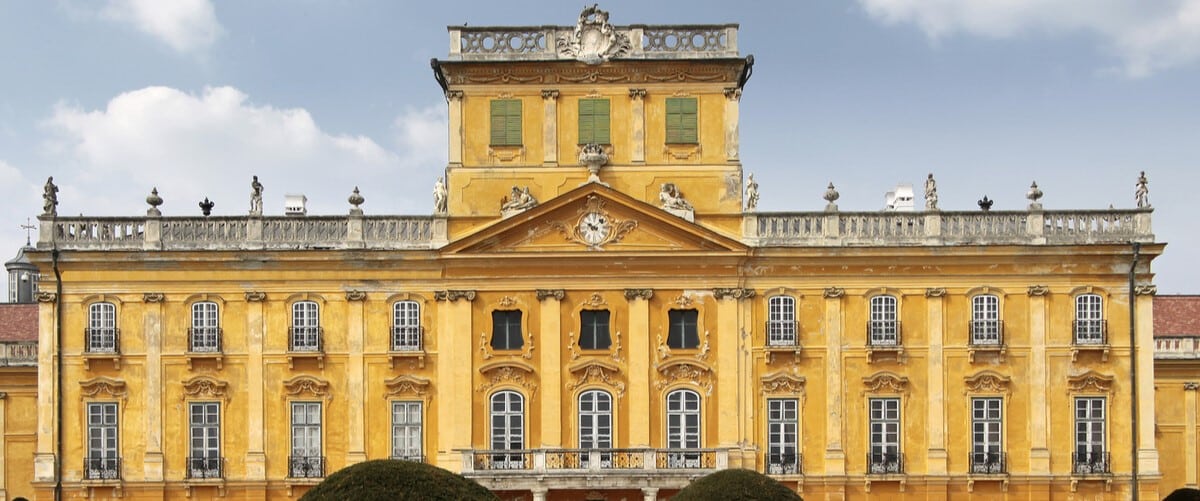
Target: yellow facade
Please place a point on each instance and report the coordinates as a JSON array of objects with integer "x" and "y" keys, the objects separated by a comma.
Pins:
[{"x": 654, "y": 266}]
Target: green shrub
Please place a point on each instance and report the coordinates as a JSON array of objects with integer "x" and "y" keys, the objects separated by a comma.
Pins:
[
  {"x": 389, "y": 480},
  {"x": 1184, "y": 494},
  {"x": 736, "y": 485}
]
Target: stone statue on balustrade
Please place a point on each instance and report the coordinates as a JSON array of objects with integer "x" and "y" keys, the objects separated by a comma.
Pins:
[
  {"x": 751, "y": 193},
  {"x": 50, "y": 198},
  {"x": 256, "y": 191},
  {"x": 1142, "y": 194},
  {"x": 931, "y": 195},
  {"x": 439, "y": 196}
]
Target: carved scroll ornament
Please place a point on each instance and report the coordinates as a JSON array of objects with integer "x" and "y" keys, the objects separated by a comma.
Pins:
[
  {"x": 987, "y": 382},
  {"x": 885, "y": 382},
  {"x": 405, "y": 384},
  {"x": 782, "y": 383},
  {"x": 1090, "y": 381},
  {"x": 205, "y": 387},
  {"x": 306, "y": 384},
  {"x": 100, "y": 387}
]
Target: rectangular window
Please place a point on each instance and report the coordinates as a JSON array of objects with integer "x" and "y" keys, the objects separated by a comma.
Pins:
[
  {"x": 1089, "y": 319},
  {"x": 406, "y": 326},
  {"x": 306, "y": 460},
  {"x": 204, "y": 425},
  {"x": 985, "y": 320},
  {"x": 683, "y": 429},
  {"x": 406, "y": 431},
  {"x": 783, "y": 450},
  {"x": 306, "y": 326},
  {"x": 885, "y": 437},
  {"x": 682, "y": 330},
  {"x": 987, "y": 450},
  {"x": 594, "y": 330},
  {"x": 593, "y": 121},
  {"x": 883, "y": 329},
  {"x": 1090, "y": 454},
  {"x": 12, "y": 287},
  {"x": 506, "y": 330},
  {"x": 781, "y": 321},
  {"x": 103, "y": 461},
  {"x": 102, "y": 328},
  {"x": 595, "y": 426},
  {"x": 681, "y": 120},
  {"x": 205, "y": 335},
  {"x": 506, "y": 122}
]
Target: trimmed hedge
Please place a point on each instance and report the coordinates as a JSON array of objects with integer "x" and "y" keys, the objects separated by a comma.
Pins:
[
  {"x": 736, "y": 485},
  {"x": 388, "y": 479},
  {"x": 1184, "y": 494}
]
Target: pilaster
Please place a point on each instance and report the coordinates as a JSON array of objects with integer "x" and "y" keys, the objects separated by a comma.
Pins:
[
  {"x": 728, "y": 346},
  {"x": 455, "y": 100},
  {"x": 639, "y": 365},
  {"x": 152, "y": 334},
  {"x": 356, "y": 378},
  {"x": 550, "y": 127},
  {"x": 1189, "y": 433},
  {"x": 256, "y": 456},
  {"x": 551, "y": 366},
  {"x": 637, "y": 98},
  {"x": 934, "y": 324},
  {"x": 455, "y": 416},
  {"x": 733, "y": 98},
  {"x": 835, "y": 454},
  {"x": 3, "y": 452},
  {"x": 1144, "y": 351},
  {"x": 1039, "y": 452},
  {"x": 47, "y": 395}
]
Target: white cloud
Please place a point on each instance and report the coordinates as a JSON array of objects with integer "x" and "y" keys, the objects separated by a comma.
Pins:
[
  {"x": 208, "y": 145},
  {"x": 1147, "y": 35},
  {"x": 184, "y": 25}
]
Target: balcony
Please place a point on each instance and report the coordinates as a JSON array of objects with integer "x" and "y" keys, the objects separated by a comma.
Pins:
[
  {"x": 1090, "y": 335},
  {"x": 600, "y": 468},
  {"x": 782, "y": 338},
  {"x": 986, "y": 336},
  {"x": 204, "y": 343},
  {"x": 1091, "y": 463},
  {"x": 203, "y": 468},
  {"x": 784, "y": 464},
  {"x": 306, "y": 466},
  {"x": 988, "y": 463},
  {"x": 306, "y": 342},
  {"x": 885, "y": 463},
  {"x": 107, "y": 468},
  {"x": 101, "y": 343},
  {"x": 884, "y": 337},
  {"x": 408, "y": 344}
]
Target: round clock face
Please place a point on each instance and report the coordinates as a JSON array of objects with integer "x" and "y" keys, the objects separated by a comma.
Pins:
[{"x": 594, "y": 227}]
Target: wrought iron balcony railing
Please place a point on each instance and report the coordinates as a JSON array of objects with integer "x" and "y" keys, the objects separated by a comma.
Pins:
[
  {"x": 989, "y": 463},
  {"x": 306, "y": 339},
  {"x": 102, "y": 340},
  {"x": 306, "y": 466},
  {"x": 503, "y": 460},
  {"x": 104, "y": 468},
  {"x": 883, "y": 333},
  {"x": 987, "y": 333},
  {"x": 1091, "y": 463},
  {"x": 885, "y": 463},
  {"x": 204, "y": 340},
  {"x": 789, "y": 463},
  {"x": 599, "y": 461},
  {"x": 781, "y": 333},
  {"x": 202, "y": 467},
  {"x": 407, "y": 338},
  {"x": 403, "y": 456},
  {"x": 1091, "y": 332}
]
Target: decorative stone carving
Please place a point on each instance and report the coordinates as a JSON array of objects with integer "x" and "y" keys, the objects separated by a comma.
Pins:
[
  {"x": 685, "y": 371},
  {"x": 47, "y": 297},
  {"x": 885, "y": 382},
  {"x": 256, "y": 201},
  {"x": 782, "y": 383},
  {"x": 1090, "y": 381},
  {"x": 518, "y": 200},
  {"x": 356, "y": 295},
  {"x": 594, "y": 40},
  {"x": 100, "y": 385},
  {"x": 50, "y": 198},
  {"x": 664, "y": 351},
  {"x": 733, "y": 293},
  {"x": 439, "y": 196},
  {"x": 673, "y": 201},
  {"x": 595, "y": 227},
  {"x": 733, "y": 93},
  {"x": 571, "y": 346},
  {"x": 256, "y": 297},
  {"x": 751, "y": 193},
  {"x": 507, "y": 301},
  {"x": 1038, "y": 290},
  {"x": 3, "y": 395},
  {"x": 931, "y": 194},
  {"x": 1142, "y": 193},
  {"x": 205, "y": 387},
  {"x": 549, "y": 93},
  {"x": 834, "y": 292},
  {"x": 632, "y": 294},
  {"x": 593, "y": 156},
  {"x": 1034, "y": 195},
  {"x": 498, "y": 373},
  {"x": 595, "y": 300},
  {"x": 1146, "y": 290},
  {"x": 454, "y": 295},
  {"x": 935, "y": 292},
  {"x": 405, "y": 384},
  {"x": 454, "y": 95},
  {"x": 154, "y": 201},
  {"x": 683, "y": 301},
  {"x": 543, "y": 294},
  {"x": 987, "y": 382},
  {"x": 306, "y": 384},
  {"x": 831, "y": 196},
  {"x": 596, "y": 372},
  {"x": 637, "y": 93},
  {"x": 356, "y": 199},
  {"x": 1191, "y": 386},
  {"x": 153, "y": 297}
]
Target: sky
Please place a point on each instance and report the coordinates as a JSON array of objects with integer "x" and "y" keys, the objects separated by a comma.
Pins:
[{"x": 116, "y": 97}]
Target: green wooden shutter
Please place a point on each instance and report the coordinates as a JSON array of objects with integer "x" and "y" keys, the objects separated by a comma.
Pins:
[
  {"x": 593, "y": 121},
  {"x": 506, "y": 122},
  {"x": 681, "y": 120},
  {"x": 601, "y": 122}
]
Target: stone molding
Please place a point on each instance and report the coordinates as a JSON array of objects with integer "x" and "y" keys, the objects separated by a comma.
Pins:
[
  {"x": 987, "y": 382},
  {"x": 637, "y": 93},
  {"x": 299, "y": 385},
  {"x": 1191, "y": 386},
  {"x": 543, "y": 294},
  {"x": 834, "y": 292},
  {"x": 205, "y": 387},
  {"x": 733, "y": 293},
  {"x": 256, "y": 297},
  {"x": 1146, "y": 290},
  {"x": 549, "y": 93},
  {"x": 356, "y": 295},
  {"x": 47, "y": 297},
  {"x": 405, "y": 384},
  {"x": 1090, "y": 381},
  {"x": 1038, "y": 290},
  {"x": 632, "y": 294},
  {"x": 95, "y": 387},
  {"x": 781, "y": 383},
  {"x": 507, "y": 372},
  {"x": 454, "y": 295},
  {"x": 885, "y": 382},
  {"x": 684, "y": 371},
  {"x": 153, "y": 297},
  {"x": 596, "y": 372},
  {"x": 935, "y": 292}
]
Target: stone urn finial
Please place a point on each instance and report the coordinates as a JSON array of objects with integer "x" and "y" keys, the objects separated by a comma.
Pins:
[
  {"x": 593, "y": 156},
  {"x": 154, "y": 200},
  {"x": 206, "y": 206},
  {"x": 1034, "y": 195},
  {"x": 356, "y": 200},
  {"x": 831, "y": 196}
]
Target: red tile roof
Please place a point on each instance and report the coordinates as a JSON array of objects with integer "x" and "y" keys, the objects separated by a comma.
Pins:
[
  {"x": 1176, "y": 316},
  {"x": 19, "y": 322}
]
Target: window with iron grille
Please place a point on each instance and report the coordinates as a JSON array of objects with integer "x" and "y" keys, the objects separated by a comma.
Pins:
[
  {"x": 593, "y": 333},
  {"x": 103, "y": 461},
  {"x": 306, "y": 326},
  {"x": 985, "y": 320},
  {"x": 885, "y": 436},
  {"x": 1089, "y": 319},
  {"x": 506, "y": 330},
  {"x": 883, "y": 328},
  {"x": 102, "y": 328},
  {"x": 783, "y": 448},
  {"x": 406, "y": 431},
  {"x": 204, "y": 430},
  {"x": 593, "y": 121},
  {"x": 406, "y": 326},
  {"x": 595, "y": 422},
  {"x": 987, "y": 448},
  {"x": 205, "y": 333},
  {"x": 306, "y": 460},
  {"x": 1090, "y": 453},
  {"x": 682, "y": 333},
  {"x": 781, "y": 321},
  {"x": 506, "y": 122}
]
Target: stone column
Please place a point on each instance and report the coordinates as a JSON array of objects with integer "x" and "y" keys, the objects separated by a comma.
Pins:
[
  {"x": 1039, "y": 433},
  {"x": 649, "y": 493},
  {"x": 639, "y": 365},
  {"x": 550, "y": 127},
  {"x": 835, "y": 454},
  {"x": 551, "y": 367},
  {"x": 455, "y": 100},
  {"x": 454, "y": 393},
  {"x": 539, "y": 493},
  {"x": 256, "y": 455},
  {"x": 733, "y": 97},
  {"x": 47, "y": 390},
  {"x": 356, "y": 377},
  {"x": 1144, "y": 351},
  {"x": 934, "y": 325},
  {"x": 152, "y": 335},
  {"x": 638, "y": 112},
  {"x": 729, "y": 372},
  {"x": 1189, "y": 433}
]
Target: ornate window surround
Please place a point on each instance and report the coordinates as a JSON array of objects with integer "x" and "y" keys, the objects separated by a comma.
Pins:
[
  {"x": 218, "y": 356},
  {"x": 596, "y": 301},
  {"x": 86, "y": 305},
  {"x": 1105, "y": 302},
  {"x": 509, "y": 303}
]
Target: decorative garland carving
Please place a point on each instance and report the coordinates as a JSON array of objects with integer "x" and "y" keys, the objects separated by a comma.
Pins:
[
  {"x": 664, "y": 351},
  {"x": 595, "y": 371},
  {"x": 734, "y": 293},
  {"x": 497, "y": 373},
  {"x": 1146, "y": 290},
  {"x": 405, "y": 384},
  {"x": 306, "y": 384},
  {"x": 885, "y": 382},
  {"x": 543, "y": 294},
  {"x": 454, "y": 95},
  {"x": 685, "y": 371},
  {"x": 637, "y": 93},
  {"x": 1090, "y": 380},
  {"x": 153, "y": 297},
  {"x": 636, "y": 73},
  {"x": 571, "y": 346},
  {"x": 1038, "y": 290},
  {"x": 834, "y": 292},
  {"x": 47, "y": 297},
  {"x": 594, "y": 40},
  {"x": 617, "y": 348},
  {"x": 987, "y": 382},
  {"x": 1191, "y": 386},
  {"x": 256, "y": 297},
  {"x": 935, "y": 292},
  {"x": 549, "y": 93},
  {"x": 733, "y": 93},
  {"x": 454, "y": 295},
  {"x": 205, "y": 387},
  {"x": 632, "y": 294},
  {"x": 595, "y": 300},
  {"x": 507, "y": 301},
  {"x": 683, "y": 301},
  {"x": 782, "y": 383},
  {"x": 94, "y": 387},
  {"x": 356, "y": 295}
]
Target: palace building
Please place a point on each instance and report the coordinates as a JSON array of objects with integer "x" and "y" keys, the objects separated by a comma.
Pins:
[{"x": 596, "y": 309}]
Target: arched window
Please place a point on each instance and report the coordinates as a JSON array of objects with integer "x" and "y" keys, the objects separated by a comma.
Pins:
[
  {"x": 102, "y": 328},
  {"x": 1089, "y": 319},
  {"x": 406, "y": 326},
  {"x": 985, "y": 320},
  {"x": 883, "y": 329},
  {"x": 683, "y": 428},
  {"x": 595, "y": 424},
  {"x": 205, "y": 334},
  {"x": 306, "y": 326},
  {"x": 508, "y": 429},
  {"x": 781, "y": 321}
]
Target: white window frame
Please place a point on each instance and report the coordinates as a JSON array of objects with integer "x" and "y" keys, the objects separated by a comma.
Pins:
[
  {"x": 596, "y": 425},
  {"x": 406, "y": 326},
  {"x": 985, "y": 320},
  {"x": 1091, "y": 453},
  {"x": 885, "y": 437},
  {"x": 204, "y": 440},
  {"x": 306, "y": 459},
  {"x": 306, "y": 326},
  {"x": 12, "y": 286},
  {"x": 683, "y": 428},
  {"x": 102, "y": 328},
  {"x": 783, "y": 439},
  {"x": 781, "y": 321},
  {"x": 206, "y": 327},
  {"x": 1089, "y": 319},
  {"x": 408, "y": 430},
  {"x": 884, "y": 325},
  {"x": 507, "y": 429},
  {"x": 987, "y": 435},
  {"x": 103, "y": 460}
]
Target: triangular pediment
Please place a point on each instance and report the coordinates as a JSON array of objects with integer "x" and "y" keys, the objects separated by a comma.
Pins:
[{"x": 593, "y": 218}]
